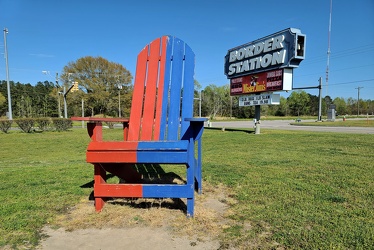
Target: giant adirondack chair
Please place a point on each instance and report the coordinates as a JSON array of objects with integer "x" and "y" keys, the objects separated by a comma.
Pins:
[{"x": 161, "y": 128}]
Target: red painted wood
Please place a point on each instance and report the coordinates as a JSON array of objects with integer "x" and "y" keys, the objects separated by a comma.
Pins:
[
  {"x": 107, "y": 156},
  {"x": 95, "y": 131},
  {"x": 160, "y": 89},
  {"x": 99, "y": 119},
  {"x": 99, "y": 179},
  {"x": 119, "y": 190},
  {"x": 112, "y": 151},
  {"x": 125, "y": 131},
  {"x": 113, "y": 146},
  {"x": 150, "y": 91},
  {"x": 137, "y": 100}
]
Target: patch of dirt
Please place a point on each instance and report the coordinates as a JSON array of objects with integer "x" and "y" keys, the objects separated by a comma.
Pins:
[{"x": 143, "y": 224}]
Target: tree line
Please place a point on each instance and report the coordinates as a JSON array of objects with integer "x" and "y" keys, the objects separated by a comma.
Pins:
[
  {"x": 103, "y": 87},
  {"x": 216, "y": 101}
]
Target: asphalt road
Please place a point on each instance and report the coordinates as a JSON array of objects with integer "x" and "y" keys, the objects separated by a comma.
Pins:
[{"x": 285, "y": 125}]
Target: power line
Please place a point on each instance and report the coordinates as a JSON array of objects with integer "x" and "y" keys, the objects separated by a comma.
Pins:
[
  {"x": 357, "y": 81},
  {"x": 341, "y": 53}
]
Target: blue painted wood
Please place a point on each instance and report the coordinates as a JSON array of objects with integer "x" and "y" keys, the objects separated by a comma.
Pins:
[
  {"x": 167, "y": 82},
  {"x": 167, "y": 191},
  {"x": 188, "y": 88},
  {"x": 175, "y": 89},
  {"x": 168, "y": 152},
  {"x": 191, "y": 176},
  {"x": 161, "y": 157},
  {"x": 163, "y": 145}
]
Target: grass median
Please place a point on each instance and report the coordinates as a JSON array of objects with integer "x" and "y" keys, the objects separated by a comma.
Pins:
[
  {"x": 293, "y": 189},
  {"x": 339, "y": 123}
]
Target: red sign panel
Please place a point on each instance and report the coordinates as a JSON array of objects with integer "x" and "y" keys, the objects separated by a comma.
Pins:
[{"x": 261, "y": 82}]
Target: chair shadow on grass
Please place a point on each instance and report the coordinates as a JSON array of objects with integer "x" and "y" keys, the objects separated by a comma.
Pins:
[{"x": 151, "y": 174}]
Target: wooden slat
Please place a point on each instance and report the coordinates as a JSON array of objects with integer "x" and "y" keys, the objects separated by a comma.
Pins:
[
  {"x": 165, "y": 94},
  {"x": 113, "y": 145},
  {"x": 118, "y": 190},
  {"x": 188, "y": 88},
  {"x": 146, "y": 191},
  {"x": 162, "y": 145},
  {"x": 150, "y": 91},
  {"x": 162, "y": 157},
  {"x": 160, "y": 90},
  {"x": 175, "y": 89},
  {"x": 109, "y": 156},
  {"x": 137, "y": 146},
  {"x": 168, "y": 191},
  {"x": 137, "y": 100}
]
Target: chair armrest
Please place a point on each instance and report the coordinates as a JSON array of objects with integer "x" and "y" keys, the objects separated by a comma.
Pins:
[
  {"x": 100, "y": 119},
  {"x": 94, "y": 126},
  {"x": 196, "y": 127},
  {"x": 195, "y": 119}
]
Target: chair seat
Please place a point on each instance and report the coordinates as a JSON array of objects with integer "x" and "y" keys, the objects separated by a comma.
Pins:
[{"x": 138, "y": 152}]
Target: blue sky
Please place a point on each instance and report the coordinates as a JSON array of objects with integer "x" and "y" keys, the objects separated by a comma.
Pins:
[{"x": 46, "y": 35}]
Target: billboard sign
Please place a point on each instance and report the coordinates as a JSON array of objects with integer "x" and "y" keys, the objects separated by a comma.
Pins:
[
  {"x": 270, "y": 81},
  {"x": 263, "y": 99},
  {"x": 284, "y": 49}
]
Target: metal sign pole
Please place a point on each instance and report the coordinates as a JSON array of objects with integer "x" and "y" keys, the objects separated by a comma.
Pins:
[{"x": 10, "y": 116}]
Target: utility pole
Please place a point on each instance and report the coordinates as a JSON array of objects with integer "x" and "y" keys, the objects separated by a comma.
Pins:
[
  {"x": 119, "y": 100},
  {"x": 82, "y": 112},
  {"x": 10, "y": 116},
  {"x": 328, "y": 51},
  {"x": 358, "y": 100},
  {"x": 320, "y": 100},
  {"x": 58, "y": 96},
  {"x": 200, "y": 103}
]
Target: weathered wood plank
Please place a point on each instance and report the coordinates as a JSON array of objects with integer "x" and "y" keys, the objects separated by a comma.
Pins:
[
  {"x": 150, "y": 91},
  {"x": 138, "y": 93}
]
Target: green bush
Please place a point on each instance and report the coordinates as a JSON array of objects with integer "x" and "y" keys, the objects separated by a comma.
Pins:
[
  {"x": 26, "y": 124},
  {"x": 5, "y": 125},
  {"x": 43, "y": 123},
  {"x": 62, "y": 124}
]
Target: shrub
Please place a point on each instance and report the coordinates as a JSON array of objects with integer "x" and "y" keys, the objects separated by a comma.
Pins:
[
  {"x": 43, "y": 123},
  {"x": 62, "y": 124},
  {"x": 5, "y": 125},
  {"x": 25, "y": 124}
]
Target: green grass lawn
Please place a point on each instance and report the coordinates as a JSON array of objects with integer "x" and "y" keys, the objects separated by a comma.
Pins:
[{"x": 302, "y": 190}]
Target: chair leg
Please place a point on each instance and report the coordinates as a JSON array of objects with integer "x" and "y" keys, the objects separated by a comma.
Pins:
[
  {"x": 190, "y": 206},
  {"x": 198, "y": 184},
  {"x": 191, "y": 182},
  {"x": 99, "y": 204},
  {"x": 198, "y": 170},
  {"x": 99, "y": 178}
]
